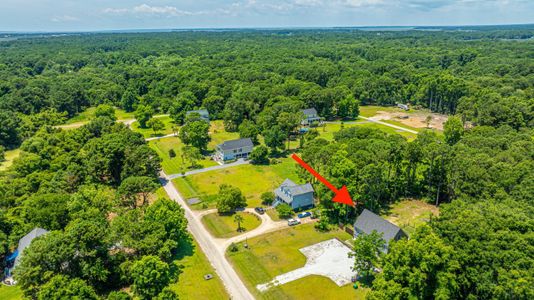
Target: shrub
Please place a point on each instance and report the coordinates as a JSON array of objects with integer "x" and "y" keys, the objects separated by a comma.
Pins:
[
  {"x": 172, "y": 153},
  {"x": 267, "y": 198},
  {"x": 284, "y": 211}
]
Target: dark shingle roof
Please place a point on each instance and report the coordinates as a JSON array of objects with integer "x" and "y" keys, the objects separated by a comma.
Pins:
[
  {"x": 368, "y": 221},
  {"x": 309, "y": 111},
  {"x": 236, "y": 144}
]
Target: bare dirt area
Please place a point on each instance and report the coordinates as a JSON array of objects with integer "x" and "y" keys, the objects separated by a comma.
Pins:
[{"x": 415, "y": 119}]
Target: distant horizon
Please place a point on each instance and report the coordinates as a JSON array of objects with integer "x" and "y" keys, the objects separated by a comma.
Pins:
[
  {"x": 97, "y": 15},
  {"x": 261, "y": 28}
]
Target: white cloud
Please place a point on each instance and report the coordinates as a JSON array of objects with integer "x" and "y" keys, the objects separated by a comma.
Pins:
[
  {"x": 64, "y": 18},
  {"x": 161, "y": 10},
  {"x": 145, "y": 9}
]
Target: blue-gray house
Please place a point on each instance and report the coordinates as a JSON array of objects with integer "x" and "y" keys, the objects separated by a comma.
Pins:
[
  {"x": 234, "y": 149},
  {"x": 295, "y": 195},
  {"x": 14, "y": 259},
  {"x": 310, "y": 117}
]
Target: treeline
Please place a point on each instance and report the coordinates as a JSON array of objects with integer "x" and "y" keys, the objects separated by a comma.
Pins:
[
  {"x": 90, "y": 187},
  {"x": 480, "y": 246},
  {"x": 236, "y": 75}
]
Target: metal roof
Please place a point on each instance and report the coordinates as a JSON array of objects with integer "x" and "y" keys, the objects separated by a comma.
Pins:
[
  {"x": 309, "y": 111},
  {"x": 26, "y": 240},
  {"x": 368, "y": 221},
  {"x": 236, "y": 144}
]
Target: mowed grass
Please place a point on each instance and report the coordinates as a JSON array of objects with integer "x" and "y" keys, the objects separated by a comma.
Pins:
[
  {"x": 10, "y": 292},
  {"x": 176, "y": 164},
  {"x": 191, "y": 283},
  {"x": 148, "y": 132},
  {"x": 408, "y": 214},
  {"x": 89, "y": 114},
  {"x": 372, "y": 110},
  {"x": 9, "y": 157},
  {"x": 252, "y": 180},
  {"x": 224, "y": 226},
  {"x": 329, "y": 129},
  {"x": 276, "y": 253}
]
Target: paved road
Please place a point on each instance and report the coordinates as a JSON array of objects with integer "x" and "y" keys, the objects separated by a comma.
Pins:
[
  {"x": 235, "y": 287},
  {"x": 219, "y": 167}
]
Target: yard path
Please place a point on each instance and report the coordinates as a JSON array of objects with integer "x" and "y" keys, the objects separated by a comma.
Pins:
[
  {"x": 371, "y": 119},
  {"x": 214, "y": 252},
  {"x": 239, "y": 162},
  {"x": 390, "y": 125},
  {"x": 160, "y": 137}
]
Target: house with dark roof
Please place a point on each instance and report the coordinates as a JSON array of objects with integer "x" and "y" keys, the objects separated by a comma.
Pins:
[
  {"x": 234, "y": 149},
  {"x": 310, "y": 117},
  {"x": 13, "y": 260},
  {"x": 298, "y": 196},
  {"x": 367, "y": 222},
  {"x": 203, "y": 113}
]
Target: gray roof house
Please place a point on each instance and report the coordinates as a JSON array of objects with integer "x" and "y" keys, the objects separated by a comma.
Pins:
[
  {"x": 24, "y": 243},
  {"x": 295, "y": 195},
  {"x": 234, "y": 149},
  {"x": 310, "y": 116},
  {"x": 367, "y": 222},
  {"x": 204, "y": 114}
]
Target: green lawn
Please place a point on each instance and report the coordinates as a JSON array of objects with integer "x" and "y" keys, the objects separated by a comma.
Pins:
[
  {"x": 277, "y": 253},
  {"x": 175, "y": 165},
  {"x": 219, "y": 135},
  {"x": 223, "y": 226},
  {"x": 89, "y": 114},
  {"x": 148, "y": 132},
  {"x": 191, "y": 283},
  {"x": 10, "y": 155},
  {"x": 408, "y": 214},
  {"x": 252, "y": 180},
  {"x": 10, "y": 292}
]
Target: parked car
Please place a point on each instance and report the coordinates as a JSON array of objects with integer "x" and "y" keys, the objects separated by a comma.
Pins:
[
  {"x": 260, "y": 210},
  {"x": 305, "y": 214},
  {"x": 293, "y": 222}
]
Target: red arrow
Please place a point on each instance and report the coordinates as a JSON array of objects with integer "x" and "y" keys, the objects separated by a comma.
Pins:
[{"x": 342, "y": 195}]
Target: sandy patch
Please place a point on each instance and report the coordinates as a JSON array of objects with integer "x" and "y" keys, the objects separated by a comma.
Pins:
[{"x": 416, "y": 119}]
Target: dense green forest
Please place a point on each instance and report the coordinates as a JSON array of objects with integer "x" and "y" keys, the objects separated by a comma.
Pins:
[
  {"x": 89, "y": 186},
  {"x": 485, "y": 76},
  {"x": 84, "y": 186}
]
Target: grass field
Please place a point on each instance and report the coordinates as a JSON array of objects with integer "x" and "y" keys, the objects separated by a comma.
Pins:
[
  {"x": 10, "y": 292},
  {"x": 223, "y": 226},
  {"x": 10, "y": 156},
  {"x": 175, "y": 165},
  {"x": 191, "y": 283},
  {"x": 148, "y": 132},
  {"x": 252, "y": 180},
  {"x": 89, "y": 113},
  {"x": 219, "y": 135},
  {"x": 408, "y": 214},
  {"x": 277, "y": 253},
  {"x": 327, "y": 132}
]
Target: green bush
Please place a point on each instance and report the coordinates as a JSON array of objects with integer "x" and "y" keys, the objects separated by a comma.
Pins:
[{"x": 284, "y": 211}]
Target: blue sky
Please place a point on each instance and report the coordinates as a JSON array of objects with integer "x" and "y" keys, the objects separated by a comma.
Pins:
[{"x": 80, "y": 15}]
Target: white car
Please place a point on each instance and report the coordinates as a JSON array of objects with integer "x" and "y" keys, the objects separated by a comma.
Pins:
[{"x": 292, "y": 222}]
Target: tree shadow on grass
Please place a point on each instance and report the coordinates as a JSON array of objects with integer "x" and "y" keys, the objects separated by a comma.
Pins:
[{"x": 186, "y": 248}]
